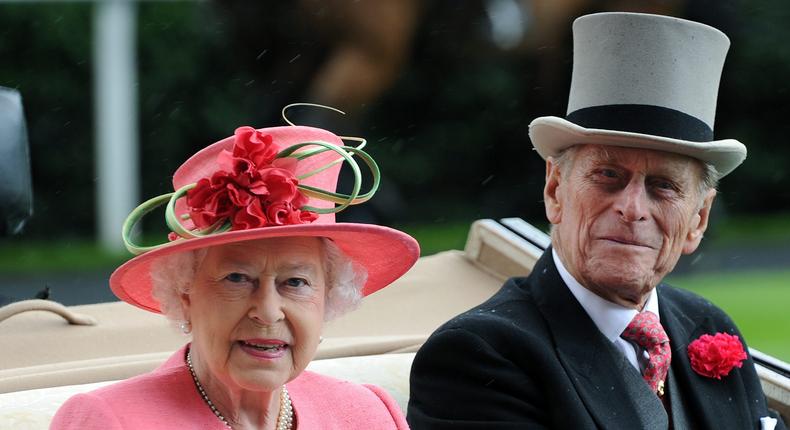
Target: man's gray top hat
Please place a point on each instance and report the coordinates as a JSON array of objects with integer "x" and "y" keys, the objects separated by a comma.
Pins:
[{"x": 643, "y": 81}]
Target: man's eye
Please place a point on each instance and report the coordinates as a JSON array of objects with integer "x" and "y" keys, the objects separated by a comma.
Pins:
[
  {"x": 664, "y": 185},
  {"x": 608, "y": 173}
]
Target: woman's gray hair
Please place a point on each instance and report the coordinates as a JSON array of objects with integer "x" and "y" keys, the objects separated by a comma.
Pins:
[{"x": 173, "y": 275}]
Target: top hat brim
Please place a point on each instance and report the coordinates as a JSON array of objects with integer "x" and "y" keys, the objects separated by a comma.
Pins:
[
  {"x": 385, "y": 253},
  {"x": 551, "y": 135}
]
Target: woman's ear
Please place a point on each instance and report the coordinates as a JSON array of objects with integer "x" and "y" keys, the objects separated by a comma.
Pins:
[
  {"x": 699, "y": 223},
  {"x": 552, "y": 197},
  {"x": 185, "y": 304}
]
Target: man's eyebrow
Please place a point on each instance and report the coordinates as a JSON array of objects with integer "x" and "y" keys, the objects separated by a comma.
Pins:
[
  {"x": 599, "y": 154},
  {"x": 670, "y": 170}
]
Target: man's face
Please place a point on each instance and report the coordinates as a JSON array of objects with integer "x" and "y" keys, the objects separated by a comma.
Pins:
[{"x": 623, "y": 216}]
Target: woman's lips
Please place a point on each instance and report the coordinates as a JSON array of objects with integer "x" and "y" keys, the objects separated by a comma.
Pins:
[{"x": 268, "y": 349}]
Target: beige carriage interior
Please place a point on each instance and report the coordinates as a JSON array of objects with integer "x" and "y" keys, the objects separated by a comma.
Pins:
[{"x": 50, "y": 352}]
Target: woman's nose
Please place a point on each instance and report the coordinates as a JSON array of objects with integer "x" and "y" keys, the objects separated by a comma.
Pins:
[
  {"x": 631, "y": 203},
  {"x": 266, "y": 304}
]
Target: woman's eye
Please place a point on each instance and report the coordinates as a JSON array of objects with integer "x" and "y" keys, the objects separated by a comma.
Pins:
[
  {"x": 608, "y": 173},
  {"x": 237, "y": 278},
  {"x": 295, "y": 282}
]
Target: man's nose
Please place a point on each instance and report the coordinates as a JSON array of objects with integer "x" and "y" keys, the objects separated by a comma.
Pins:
[
  {"x": 632, "y": 202},
  {"x": 266, "y": 304}
]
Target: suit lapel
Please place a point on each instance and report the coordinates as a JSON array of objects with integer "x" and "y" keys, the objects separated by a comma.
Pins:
[
  {"x": 680, "y": 414},
  {"x": 699, "y": 394},
  {"x": 612, "y": 390}
]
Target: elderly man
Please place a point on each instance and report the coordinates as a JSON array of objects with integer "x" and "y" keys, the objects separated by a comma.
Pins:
[{"x": 592, "y": 339}]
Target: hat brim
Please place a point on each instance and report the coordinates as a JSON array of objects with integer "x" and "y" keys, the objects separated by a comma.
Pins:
[
  {"x": 550, "y": 135},
  {"x": 384, "y": 252}
]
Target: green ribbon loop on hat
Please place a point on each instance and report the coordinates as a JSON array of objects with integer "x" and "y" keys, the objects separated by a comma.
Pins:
[
  {"x": 346, "y": 152},
  {"x": 136, "y": 215},
  {"x": 175, "y": 224},
  {"x": 343, "y": 201}
]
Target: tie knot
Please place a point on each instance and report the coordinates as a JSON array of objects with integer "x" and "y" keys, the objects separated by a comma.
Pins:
[{"x": 646, "y": 331}]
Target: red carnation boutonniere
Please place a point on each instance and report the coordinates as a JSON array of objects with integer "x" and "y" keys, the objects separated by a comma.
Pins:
[{"x": 715, "y": 356}]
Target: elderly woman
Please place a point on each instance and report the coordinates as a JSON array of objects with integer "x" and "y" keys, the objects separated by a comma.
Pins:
[{"x": 254, "y": 267}]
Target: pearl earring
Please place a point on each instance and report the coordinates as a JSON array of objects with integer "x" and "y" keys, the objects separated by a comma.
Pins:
[{"x": 186, "y": 327}]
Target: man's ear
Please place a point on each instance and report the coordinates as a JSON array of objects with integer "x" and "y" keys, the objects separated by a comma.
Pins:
[
  {"x": 552, "y": 192},
  {"x": 699, "y": 223}
]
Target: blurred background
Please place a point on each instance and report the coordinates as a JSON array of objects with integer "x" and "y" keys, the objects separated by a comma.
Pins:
[{"x": 118, "y": 93}]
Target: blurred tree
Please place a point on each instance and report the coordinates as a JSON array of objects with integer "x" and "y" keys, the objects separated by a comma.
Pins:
[
  {"x": 45, "y": 52},
  {"x": 449, "y": 129},
  {"x": 753, "y": 105}
]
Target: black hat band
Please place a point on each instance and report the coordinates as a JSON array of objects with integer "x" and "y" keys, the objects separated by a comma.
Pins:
[{"x": 643, "y": 119}]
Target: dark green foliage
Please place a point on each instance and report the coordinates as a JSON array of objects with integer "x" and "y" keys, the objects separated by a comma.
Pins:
[
  {"x": 45, "y": 51},
  {"x": 450, "y": 134}
]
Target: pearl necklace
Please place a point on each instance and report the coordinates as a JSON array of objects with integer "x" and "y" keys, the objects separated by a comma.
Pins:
[{"x": 284, "y": 418}]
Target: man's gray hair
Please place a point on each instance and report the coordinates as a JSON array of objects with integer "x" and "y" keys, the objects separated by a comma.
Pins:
[
  {"x": 709, "y": 178},
  {"x": 173, "y": 275}
]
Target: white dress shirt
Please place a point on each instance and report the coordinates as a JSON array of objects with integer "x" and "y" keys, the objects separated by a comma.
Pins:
[{"x": 610, "y": 318}]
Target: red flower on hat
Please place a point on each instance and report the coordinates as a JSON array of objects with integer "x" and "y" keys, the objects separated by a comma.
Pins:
[
  {"x": 251, "y": 189},
  {"x": 715, "y": 356}
]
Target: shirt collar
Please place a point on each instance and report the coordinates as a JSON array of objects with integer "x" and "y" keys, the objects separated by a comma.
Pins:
[{"x": 610, "y": 318}]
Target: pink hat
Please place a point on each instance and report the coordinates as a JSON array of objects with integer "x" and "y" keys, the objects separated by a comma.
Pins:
[{"x": 258, "y": 184}]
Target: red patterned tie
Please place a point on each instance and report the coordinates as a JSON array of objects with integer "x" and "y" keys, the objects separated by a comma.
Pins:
[{"x": 646, "y": 331}]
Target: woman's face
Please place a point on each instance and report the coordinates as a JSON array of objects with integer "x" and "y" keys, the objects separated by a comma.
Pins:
[{"x": 256, "y": 310}]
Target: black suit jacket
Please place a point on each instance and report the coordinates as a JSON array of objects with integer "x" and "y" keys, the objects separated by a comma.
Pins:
[{"x": 531, "y": 357}]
